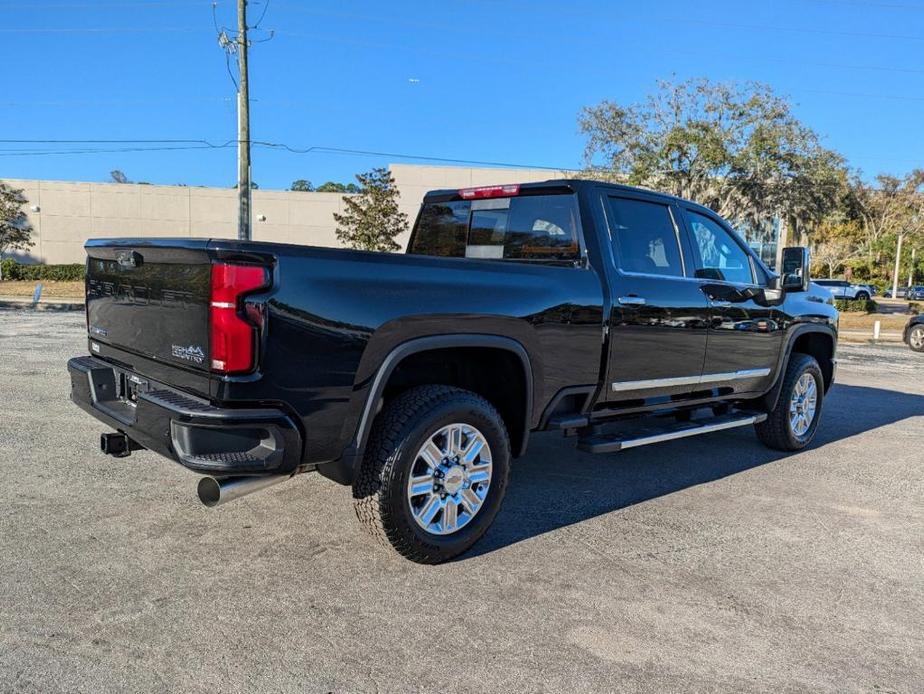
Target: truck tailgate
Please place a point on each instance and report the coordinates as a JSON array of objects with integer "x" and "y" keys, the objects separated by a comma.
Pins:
[{"x": 151, "y": 298}]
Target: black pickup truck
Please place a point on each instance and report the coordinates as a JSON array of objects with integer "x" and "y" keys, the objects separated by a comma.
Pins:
[{"x": 619, "y": 316}]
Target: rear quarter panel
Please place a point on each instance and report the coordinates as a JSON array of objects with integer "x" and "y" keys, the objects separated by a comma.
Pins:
[{"x": 336, "y": 314}]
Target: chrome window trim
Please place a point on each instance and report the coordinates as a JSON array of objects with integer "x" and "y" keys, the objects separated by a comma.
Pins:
[
  {"x": 646, "y": 384},
  {"x": 700, "y": 280},
  {"x": 683, "y": 263}
]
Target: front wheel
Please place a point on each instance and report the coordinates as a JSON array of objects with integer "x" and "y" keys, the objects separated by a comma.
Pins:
[
  {"x": 791, "y": 425},
  {"x": 434, "y": 473},
  {"x": 862, "y": 296},
  {"x": 916, "y": 338}
]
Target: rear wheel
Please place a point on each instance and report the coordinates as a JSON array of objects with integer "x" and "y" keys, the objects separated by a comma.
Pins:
[
  {"x": 792, "y": 423},
  {"x": 434, "y": 474},
  {"x": 916, "y": 338}
]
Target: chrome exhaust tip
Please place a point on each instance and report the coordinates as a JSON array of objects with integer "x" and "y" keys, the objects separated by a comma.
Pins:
[{"x": 215, "y": 491}]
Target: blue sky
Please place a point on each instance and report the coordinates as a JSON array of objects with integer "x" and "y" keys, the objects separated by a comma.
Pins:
[{"x": 496, "y": 81}]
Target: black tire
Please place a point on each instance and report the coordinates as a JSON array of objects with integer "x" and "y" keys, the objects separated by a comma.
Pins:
[
  {"x": 776, "y": 431},
  {"x": 917, "y": 329},
  {"x": 862, "y": 296},
  {"x": 380, "y": 489}
]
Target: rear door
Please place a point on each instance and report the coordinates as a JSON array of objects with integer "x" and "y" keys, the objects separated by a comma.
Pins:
[
  {"x": 151, "y": 299},
  {"x": 744, "y": 336},
  {"x": 658, "y": 325}
]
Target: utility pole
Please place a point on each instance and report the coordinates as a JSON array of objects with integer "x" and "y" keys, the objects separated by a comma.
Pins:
[
  {"x": 243, "y": 127},
  {"x": 780, "y": 243},
  {"x": 914, "y": 250},
  {"x": 898, "y": 259}
]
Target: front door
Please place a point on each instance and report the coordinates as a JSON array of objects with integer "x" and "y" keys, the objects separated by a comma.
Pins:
[
  {"x": 658, "y": 324},
  {"x": 744, "y": 336}
]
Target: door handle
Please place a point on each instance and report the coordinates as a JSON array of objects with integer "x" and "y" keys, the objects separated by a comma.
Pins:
[
  {"x": 631, "y": 300},
  {"x": 720, "y": 303}
]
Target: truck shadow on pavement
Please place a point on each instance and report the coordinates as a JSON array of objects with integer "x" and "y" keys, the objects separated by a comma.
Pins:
[{"x": 556, "y": 485}]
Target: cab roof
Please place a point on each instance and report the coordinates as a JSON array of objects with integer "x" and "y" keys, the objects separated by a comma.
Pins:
[{"x": 556, "y": 186}]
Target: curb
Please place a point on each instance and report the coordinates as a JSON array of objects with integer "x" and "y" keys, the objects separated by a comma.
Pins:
[
  {"x": 27, "y": 305},
  {"x": 866, "y": 337}
]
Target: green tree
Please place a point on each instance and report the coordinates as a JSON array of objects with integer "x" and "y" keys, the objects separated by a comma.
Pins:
[
  {"x": 334, "y": 187},
  {"x": 15, "y": 230},
  {"x": 372, "y": 219},
  {"x": 302, "y": 186},
  {"x": 735, "y": 148}
]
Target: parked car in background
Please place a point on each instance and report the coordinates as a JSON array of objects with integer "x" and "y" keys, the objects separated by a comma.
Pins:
[
  {"x": 915, "y": 293},
  {"x": 871, "y": 289},
  {"x": 902, "y": 293},
  {"x": 842, "y": 289},
  {"x": 914, "y": 333}
]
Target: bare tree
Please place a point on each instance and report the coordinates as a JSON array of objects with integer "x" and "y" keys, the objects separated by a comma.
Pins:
[{"x": 833, "y": 253}]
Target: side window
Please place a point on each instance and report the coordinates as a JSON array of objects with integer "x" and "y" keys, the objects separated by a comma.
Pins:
[
  {"x": 645, "y": 238},
  {"x": 719, "y": 257},
  {"x": 441, "y": 229}
]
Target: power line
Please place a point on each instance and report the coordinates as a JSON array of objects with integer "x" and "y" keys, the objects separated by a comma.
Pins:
[
  {"x": 622, "y": 19},
  {"x": 115, "y": 102},
  {"x": 83, "y": 5},
  {"x": 203, "y": 144},
  {"x": 262, "y": 14},
  {"x": 137, "y": 4},
  {"x": 565, "y": 171},
  {"x": 316, "y": 149},
  {"x": 98, "y": 30},
  {"x": 110, "y": 141},
  {"x": 608, "y": 71},
  {"x": 860, "y": 3},
  {"x": 320, "y": 149},
  {"x": 37, "y": 153}
]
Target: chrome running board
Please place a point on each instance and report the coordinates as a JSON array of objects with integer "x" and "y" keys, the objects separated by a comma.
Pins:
[{"x": 607, "y": 443}]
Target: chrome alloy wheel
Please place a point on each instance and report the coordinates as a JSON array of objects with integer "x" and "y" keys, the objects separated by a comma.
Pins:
[
  {"x": 802, "y": 404},
  {"x": 916, "y": 338},
  {"x": 449, "y": 479}
]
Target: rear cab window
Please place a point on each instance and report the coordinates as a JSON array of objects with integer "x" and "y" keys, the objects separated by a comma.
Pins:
[{"x": 526, "y": 227}]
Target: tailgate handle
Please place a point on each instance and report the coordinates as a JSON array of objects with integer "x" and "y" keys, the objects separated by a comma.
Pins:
[{"x": 129, "y": 259}]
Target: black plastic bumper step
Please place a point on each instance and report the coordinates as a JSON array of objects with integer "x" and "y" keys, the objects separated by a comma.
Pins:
[{"x": 610, "y": 443}]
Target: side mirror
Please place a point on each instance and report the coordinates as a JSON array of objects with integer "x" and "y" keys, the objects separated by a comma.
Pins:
[{"x": 795, "y": 270}]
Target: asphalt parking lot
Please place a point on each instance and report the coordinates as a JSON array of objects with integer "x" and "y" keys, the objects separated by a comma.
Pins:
[{"x": 707, "y": 564}]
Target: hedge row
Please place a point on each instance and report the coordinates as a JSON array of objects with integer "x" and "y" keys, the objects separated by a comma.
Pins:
[
  {"x": 861, "y": 305},
  {"x": 17, "y": 271}
]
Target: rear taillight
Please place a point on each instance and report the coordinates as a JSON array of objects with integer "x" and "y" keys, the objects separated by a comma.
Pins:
[
  {"x": 506, "y": 191},
  {"x": 232, "y": 336}
]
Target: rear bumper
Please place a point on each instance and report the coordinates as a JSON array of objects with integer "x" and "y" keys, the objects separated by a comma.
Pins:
[{"x": 189, "y": 430}]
